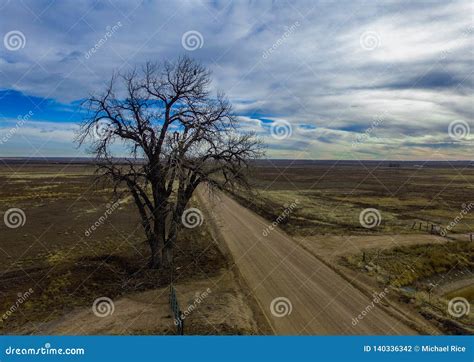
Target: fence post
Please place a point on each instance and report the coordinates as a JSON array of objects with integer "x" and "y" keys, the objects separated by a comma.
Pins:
[{"x": 176, "y": 311}]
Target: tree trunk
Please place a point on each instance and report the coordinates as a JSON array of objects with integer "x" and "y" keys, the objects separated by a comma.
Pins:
[
  {"x": 170, "y": 241},
  {"x": 156, "y": 260},
  {"x": 167, "y": 256}
]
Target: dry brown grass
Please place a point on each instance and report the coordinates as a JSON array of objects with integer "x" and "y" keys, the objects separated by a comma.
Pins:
[{"x": 67, "y": 269}]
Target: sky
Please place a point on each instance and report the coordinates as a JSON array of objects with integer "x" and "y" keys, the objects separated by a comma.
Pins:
[{"x": 314, "y": 79}]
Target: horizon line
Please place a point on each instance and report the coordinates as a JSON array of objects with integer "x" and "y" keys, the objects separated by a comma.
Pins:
[{"x": 84, "y": 158}]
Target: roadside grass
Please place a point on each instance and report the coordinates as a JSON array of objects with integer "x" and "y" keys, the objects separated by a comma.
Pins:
[
  {"x": 406, "y": 265},
  {"x": 466, "y": 292},
  {"x": 411, "y": 270}
]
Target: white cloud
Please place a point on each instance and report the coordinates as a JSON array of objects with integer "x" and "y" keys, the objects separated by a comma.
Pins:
[{"x": 419, "y": 76}]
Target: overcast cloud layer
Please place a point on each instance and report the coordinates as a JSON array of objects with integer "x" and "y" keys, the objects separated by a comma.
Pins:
[{"x": 316, "y": 79}]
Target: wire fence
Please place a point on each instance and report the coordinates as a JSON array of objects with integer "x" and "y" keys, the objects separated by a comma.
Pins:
[{"x": 178, "y": 320}]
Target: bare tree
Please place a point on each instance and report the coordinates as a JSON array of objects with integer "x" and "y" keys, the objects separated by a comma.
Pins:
[{"x": 178, "y": 136}]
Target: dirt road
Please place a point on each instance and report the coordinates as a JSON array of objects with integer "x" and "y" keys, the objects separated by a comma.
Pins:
[{"x": 298, "y": 293}]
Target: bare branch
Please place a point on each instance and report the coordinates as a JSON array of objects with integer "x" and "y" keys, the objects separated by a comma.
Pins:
[{"x": 177, "y": 136}]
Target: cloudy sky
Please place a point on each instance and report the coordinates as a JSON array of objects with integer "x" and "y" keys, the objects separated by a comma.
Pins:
[{"x": 316, "y": 79}]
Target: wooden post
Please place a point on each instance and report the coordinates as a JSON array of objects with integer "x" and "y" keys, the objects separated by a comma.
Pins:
[
  {"x": 169, "y": 217},
  {"x": 420, "y": 224}
]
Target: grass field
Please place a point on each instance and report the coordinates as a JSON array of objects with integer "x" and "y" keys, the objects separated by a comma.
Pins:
[
  {"x": 58, "y": 262},
  {"x": 321, "y": 205},
  {"x": 331, "y": 198},
  {"x": 66, "y": 254}
]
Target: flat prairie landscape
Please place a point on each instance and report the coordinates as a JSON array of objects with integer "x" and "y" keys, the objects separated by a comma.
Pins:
[
  {"x": 415, "y": 238},
  {"x": 330, "y": 195},
  {"x": 226, "y": 168},
  {"x": 77, "y": 245}
]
